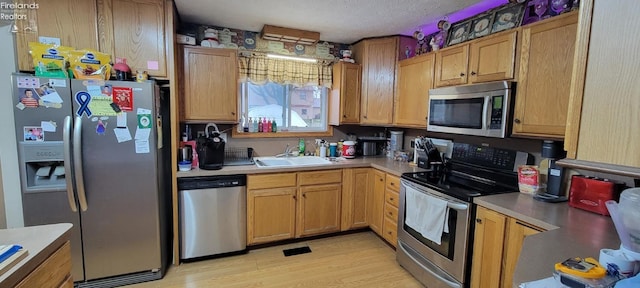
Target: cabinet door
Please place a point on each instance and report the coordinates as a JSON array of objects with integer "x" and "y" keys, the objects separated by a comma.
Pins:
[
  {"x": 516, "y": 231},
  {"x": 487, "y": 248},
  {"x": 319, "y": 209},
  {"x": 271, "y": 214},
  {"x": 608, "y": 127},
  {"x": 492, "y": 58},
  {"x": 356, "y": 183},
  {"x": 415, "y": 78},
  {"x": 542, "y": 95},
  {"x": 345, "y": 94},
  {"x": 74, "y": 22},
  {"x": 378, "y": 80},
  {"x": 134, "y": 29},
  {"x": 210, "y": 88},
  {"x": 452, "y": 65},
  {"x": 375, "y": 202}
]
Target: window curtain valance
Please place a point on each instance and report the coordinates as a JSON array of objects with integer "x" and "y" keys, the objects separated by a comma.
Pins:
[{"x": 258, "y": 69}]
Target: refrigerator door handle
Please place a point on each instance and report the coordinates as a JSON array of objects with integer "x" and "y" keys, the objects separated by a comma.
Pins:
[
  {"x": 66, "y": 138},
  {"x": 77, "y": 161}
]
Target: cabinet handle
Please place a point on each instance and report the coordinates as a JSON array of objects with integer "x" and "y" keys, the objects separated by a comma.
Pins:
[
  {"x": 479, "y": 221},
  {"x": 473, "y": 73},
  {"x": 517, "y": 121},
  {"x": 461, "y": 74}
]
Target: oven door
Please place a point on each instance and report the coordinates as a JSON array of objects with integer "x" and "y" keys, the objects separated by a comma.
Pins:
[{"x": 428, "y": 261}]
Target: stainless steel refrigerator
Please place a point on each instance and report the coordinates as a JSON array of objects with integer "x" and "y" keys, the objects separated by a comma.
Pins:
[{"x": 91, "y": 154}]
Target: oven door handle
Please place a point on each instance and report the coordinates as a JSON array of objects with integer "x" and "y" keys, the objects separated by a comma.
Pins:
[
  {"x": 457, "y": 206},
  {"x": 425, "y": 268}
]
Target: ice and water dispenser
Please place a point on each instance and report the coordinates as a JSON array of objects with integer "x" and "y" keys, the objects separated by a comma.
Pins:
[{"x": 42, "y": 166}]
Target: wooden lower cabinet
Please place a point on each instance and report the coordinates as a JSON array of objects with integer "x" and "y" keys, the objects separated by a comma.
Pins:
[
  {"x": 375, "y": 202},
  {"x": 286, "y": 205},
  {"x": 54, "y": 272},
  {"x": 319, "y": 209},
  {"x": 271, "y": 214},
  {"x": 356, "y": 183},
  {"x": 497, "y": 244}
]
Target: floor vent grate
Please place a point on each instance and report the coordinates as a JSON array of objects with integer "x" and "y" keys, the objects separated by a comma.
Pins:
[{"x": 296, "y": 251}]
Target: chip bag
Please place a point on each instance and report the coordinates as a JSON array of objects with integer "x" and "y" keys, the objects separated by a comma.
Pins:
[
  {"x": 50, "y": 60},
  {"x": 90, "y": 64}
]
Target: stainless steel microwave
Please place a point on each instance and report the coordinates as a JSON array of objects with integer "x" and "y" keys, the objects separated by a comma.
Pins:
[{"x": 476, "y": 109}]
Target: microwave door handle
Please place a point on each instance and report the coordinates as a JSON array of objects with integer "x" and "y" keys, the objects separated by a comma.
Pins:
[{"x": 486, "y": 112}]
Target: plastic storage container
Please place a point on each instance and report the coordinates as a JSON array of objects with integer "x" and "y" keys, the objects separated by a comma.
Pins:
[
  {"x": 349, "y": 149},
  {"x": 628, "y": 207},
  {"x": 396, "y": 141}
]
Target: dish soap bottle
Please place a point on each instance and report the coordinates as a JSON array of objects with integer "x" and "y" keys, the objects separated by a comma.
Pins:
[{"x": 301, "y": 146}]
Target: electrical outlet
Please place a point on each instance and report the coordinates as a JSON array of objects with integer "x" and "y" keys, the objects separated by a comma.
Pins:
[{"x": 223, "y": 136}]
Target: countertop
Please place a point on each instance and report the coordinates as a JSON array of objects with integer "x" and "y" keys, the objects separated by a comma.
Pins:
[
  {"x": 40, "y": 242},
  {"x": 381, "y": 163},
  {"x": 570, "y": 233}
]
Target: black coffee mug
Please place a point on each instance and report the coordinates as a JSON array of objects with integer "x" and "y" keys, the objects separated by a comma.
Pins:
[{"x": 123, "y": 75}]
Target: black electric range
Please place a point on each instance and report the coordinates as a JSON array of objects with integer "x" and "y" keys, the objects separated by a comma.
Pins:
[{"x": 474, "y": 171}]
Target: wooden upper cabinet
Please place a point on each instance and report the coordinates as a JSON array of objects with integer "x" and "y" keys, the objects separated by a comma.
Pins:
[
  {"x": 74, "y": 22},
  {"x": 210, "y": 84},
  {"x": 492, "y": 58},
  {"x": 606, "y": 87},
  {"x": 378, "y": 58},
  {"x": 135, "y": 30},
  {"x": 452, "y": 65},
  {"x": 415, "y": 78},
  {"x": 345, "y": 94},
  {"x": 546, "y": 61}
]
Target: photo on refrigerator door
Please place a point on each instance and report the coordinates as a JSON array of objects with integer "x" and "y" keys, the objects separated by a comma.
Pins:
[
  {"x": 33, "y": 133},
  {"x": 28, "y": 98},
  {"x": 123, "y": 97}
]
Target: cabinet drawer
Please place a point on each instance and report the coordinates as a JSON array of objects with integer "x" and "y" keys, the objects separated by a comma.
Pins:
[
  {"x": 320, "y": 177},
  {"x": 393, "y": 183},
  {"x": 392, "y": 197},
  {"x": 390, "y": 231},
  {"x": 52, "y": 272},
  {"x": 271, "y": 180},
  {"x": 390, "y": 212}
]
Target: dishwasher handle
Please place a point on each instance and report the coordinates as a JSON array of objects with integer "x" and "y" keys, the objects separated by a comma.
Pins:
[{"x": 211, "y": 182}]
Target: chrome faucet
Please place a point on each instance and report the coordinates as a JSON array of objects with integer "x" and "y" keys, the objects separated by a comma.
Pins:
[{"x": 287, "y": 152}]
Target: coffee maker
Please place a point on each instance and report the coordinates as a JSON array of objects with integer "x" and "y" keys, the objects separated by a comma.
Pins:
[
  {"x": 210, "y": 149},
  {"x": 553, "y": 151}
]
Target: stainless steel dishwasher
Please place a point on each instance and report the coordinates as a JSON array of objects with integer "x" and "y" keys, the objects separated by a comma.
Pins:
[{"x": 212, "y": 215}]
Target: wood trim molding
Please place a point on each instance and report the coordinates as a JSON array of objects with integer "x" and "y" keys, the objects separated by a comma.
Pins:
[
  {"x": 633, "y": 172},
  {"x": 579, "y": 74}
]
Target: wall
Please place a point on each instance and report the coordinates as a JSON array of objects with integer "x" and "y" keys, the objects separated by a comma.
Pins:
[{"x": 11, "y": 200}]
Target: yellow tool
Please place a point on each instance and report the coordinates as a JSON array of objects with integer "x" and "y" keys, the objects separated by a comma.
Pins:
[{"x": 582, "y": 267}]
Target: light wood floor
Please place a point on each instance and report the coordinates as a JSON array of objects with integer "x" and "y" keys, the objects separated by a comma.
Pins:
[{"x": 354, "y": 260}]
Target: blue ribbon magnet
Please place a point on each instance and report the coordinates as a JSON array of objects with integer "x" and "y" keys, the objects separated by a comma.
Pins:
[{"x": 83, "y": 98}]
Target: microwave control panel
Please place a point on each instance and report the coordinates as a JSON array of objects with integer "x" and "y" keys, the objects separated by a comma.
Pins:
[{"x": 496, "y": 112}]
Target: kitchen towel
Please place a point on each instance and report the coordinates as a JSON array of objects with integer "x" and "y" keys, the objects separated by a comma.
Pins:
[{"x": 426, "y": 214}]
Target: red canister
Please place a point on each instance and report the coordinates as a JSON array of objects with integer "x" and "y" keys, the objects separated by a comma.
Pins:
[{"x": 349, "y": 149}]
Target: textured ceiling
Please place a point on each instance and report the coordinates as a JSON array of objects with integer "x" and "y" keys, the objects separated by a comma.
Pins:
[{"x": 342, "y": 21}]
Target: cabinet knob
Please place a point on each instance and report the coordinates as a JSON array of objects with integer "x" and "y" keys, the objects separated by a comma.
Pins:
[
  {"x": 389, "y": 232},
  {"x": 233, "y": 113},
  {"x": 344, "y": 116},
  {"x": 393, "y": 184},
  {"x": 294, "y": 197},
  {"x": 380, "y": 179},
  {"x": 479, "y": 221},
  {"x": 365, "y": 116},
  {"x": 304, "y": 195},
  {"x": 461, "y": 74},
  {"x": 391, "y": 198},
  {"x": 473, "y": 73},
  {"x": 517, "y": 121}
]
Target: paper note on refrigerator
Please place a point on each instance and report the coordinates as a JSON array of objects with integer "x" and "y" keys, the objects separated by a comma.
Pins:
[
  {"x": 121, "y": 120},
  {"x": 122, "y": 134},
  {"x": 142, "y": 146},
  {"x": 48, "y": 126},
  {"x": 142, "y": 133}
]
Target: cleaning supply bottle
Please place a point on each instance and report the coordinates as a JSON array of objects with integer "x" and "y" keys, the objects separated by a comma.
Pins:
[
  {"x": 260, "y": 126},
  {"x": 274, "y": 126},
  {"x": 301, "y": 146},
  {"x": 269, "y": 125},
  {"x": 250, "y": 125}
]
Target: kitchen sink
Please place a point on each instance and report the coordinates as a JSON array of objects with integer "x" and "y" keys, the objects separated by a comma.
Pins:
[{"x": 290, "y": 161}]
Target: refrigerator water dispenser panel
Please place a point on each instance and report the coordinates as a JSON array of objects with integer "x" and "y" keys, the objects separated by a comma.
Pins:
[{"x": 42, "y": 166}]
